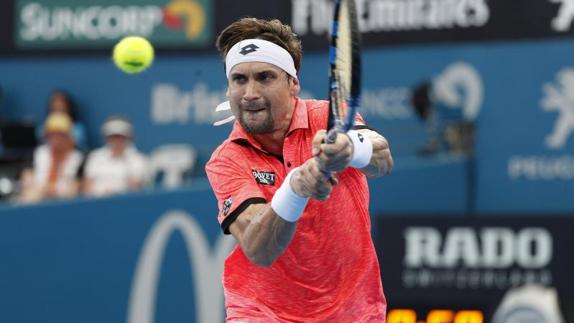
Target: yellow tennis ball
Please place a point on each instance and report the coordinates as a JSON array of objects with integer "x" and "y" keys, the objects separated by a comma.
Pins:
[{"x": 133, "y": 54}]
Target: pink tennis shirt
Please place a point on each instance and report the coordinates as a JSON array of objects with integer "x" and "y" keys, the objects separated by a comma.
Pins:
[{"x": 329, "y": 272}]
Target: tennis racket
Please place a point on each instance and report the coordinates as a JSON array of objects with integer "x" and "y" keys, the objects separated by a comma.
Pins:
[{"x": 344, "y": 70}]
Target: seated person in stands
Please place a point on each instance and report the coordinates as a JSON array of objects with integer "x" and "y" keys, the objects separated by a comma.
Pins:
[
  {"x": 117, "y": 167},
  {"x": 61, "y": 101},
  {"x": 56, "y": 164}
]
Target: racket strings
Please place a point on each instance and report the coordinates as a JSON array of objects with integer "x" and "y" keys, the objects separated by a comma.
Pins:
[
  {"x": 344, "y": 60},
  {"x": 341, "y": 98},
  {"x": 345, "y": 68}
]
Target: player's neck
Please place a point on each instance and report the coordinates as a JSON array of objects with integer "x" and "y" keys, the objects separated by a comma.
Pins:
[{"x": 272, "y": 142}]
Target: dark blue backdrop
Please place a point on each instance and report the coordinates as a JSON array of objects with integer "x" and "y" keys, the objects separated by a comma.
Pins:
[{"x": 503, "y": 83}]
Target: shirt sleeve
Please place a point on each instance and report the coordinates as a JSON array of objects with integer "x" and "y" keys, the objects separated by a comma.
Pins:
[
  {"x": 234, "y": 187},
  {"x": 361, "y": 124},
  {"x": 359, "y": 121}
]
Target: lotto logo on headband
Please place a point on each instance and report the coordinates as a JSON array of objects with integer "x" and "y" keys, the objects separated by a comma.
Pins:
[
  {"x": 259, "y": 50},
  {"x": 248, "y": 49}
]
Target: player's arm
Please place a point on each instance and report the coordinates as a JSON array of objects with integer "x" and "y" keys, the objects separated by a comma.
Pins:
[
  {"x": 265, "y": 230},
  {"x": 381, "y": 162},
  {"x": 261, "y": 233}
]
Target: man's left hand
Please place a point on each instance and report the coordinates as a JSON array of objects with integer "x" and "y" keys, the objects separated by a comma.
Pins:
[{"x": 332, "y": 157}]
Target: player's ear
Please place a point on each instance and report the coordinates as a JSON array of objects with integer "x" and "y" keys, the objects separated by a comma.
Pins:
[
  {"x": 294, "y": 86},
  {"x": 227, "y": 92}
]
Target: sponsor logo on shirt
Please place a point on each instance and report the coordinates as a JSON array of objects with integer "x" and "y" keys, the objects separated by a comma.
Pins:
[
  {"x": 227, "y": 206},
  {"x": 263, "y": 177}
]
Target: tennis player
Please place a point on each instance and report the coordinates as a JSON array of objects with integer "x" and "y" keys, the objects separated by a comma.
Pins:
[{"x": 305, "y": 252}]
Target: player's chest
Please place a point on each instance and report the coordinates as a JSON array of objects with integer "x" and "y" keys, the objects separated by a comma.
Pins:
[{"x": 268, "y": 171}]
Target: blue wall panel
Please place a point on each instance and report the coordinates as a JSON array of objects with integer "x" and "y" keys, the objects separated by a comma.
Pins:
[
  {"x": 76, "y": 262},
  {"x": 517, "y": 170}
]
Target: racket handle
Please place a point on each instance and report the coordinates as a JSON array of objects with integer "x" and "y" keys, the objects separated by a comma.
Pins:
[
  {"x": 331, "y": 136},
  {"x": 329, "y": 176},
  {"x": 330, "y": 139}
]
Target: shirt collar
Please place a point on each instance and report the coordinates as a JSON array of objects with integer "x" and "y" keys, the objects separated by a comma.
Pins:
[{"x": 299, "y": 120}]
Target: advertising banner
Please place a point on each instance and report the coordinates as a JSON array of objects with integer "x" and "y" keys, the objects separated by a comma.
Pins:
[
  {"x": 524, "y": 142},
  {"x": 136, "y": 258},
  {"x": 97, "y": 24},
  {"x": 401, "y": 22},
  {"x": 158, "y": 258},
  {"x": 487, "y": 269},
  {"x": 511, "y": 103},
  {"x": 174, "y": 103},
  {"x": 65, "y": 26}
]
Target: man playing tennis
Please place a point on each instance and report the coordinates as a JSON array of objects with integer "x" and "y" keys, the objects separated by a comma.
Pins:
[{"x": 297, "y": 206}]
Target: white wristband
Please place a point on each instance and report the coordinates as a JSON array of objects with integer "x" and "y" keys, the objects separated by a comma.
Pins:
[
  {"x": 286, "y": 203},
  {"x": 362, "y": 149}
]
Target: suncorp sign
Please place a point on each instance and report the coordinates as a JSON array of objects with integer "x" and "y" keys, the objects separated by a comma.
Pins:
[{"x": 68, "y": 24}]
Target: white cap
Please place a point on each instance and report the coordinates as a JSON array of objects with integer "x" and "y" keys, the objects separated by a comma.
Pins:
[{"x": 117, "y": 126}]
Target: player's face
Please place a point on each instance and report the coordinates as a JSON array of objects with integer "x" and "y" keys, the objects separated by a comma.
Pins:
[{"x": 262, "y": 97}]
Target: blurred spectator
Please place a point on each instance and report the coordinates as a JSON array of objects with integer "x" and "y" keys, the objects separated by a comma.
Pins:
[
  {"x": 118, "y": 166},
  {"x": 61, "y": 101},
  {"x": 446, "y": 127},
  {"x": 56, "y": 164}
]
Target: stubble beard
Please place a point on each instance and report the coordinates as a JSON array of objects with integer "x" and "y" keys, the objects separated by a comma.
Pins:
[
  {"x": 257, "y": 128},
  {"x": 263, "y": 127}
]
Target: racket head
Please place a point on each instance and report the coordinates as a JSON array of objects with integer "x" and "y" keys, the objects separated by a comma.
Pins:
[{"x": 345, "y": 67}]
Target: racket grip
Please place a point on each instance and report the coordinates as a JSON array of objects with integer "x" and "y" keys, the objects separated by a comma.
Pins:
[
  {"x": 331, "y": 136},
  {"x": 330, "y": 139}
]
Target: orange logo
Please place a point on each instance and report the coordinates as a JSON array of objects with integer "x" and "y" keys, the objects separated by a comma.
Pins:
[{"x": 185, "y": 14}]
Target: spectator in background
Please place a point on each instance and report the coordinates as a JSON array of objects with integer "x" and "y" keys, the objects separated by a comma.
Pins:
[
  {"x": 117, "y": 167},
  {"x": 447, "y": 128},
  {"x": 56, "y": 164},
  {"x": 61, "y": 101}
]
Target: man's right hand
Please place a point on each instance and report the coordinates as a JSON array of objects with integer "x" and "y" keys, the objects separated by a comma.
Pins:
[{"x": 309, "y": 181}]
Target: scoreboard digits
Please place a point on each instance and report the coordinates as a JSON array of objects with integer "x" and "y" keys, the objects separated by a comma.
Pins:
[{"x": 435, "y": 316}]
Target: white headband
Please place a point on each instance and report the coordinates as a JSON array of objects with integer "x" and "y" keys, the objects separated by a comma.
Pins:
[{"x": 259, "y": 50}]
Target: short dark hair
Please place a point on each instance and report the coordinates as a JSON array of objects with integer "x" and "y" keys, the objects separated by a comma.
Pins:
[
  {"x": 72, "y": 109},
  {"x": 271, "y": 30}
]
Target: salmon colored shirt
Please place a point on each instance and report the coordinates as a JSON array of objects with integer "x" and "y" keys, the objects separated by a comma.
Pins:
[{"x": 329, "y": 272}]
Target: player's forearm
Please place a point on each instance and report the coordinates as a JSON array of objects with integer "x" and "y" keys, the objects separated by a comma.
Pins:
[
  {"x": 266, "y": 236},
  {"x": 381, "y": 162},
  {"x": 265, "y": 231}
]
